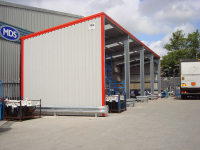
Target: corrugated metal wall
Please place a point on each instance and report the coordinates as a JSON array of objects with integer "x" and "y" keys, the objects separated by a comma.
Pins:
[
  {"x": 146, "y": 85},
  {"x": 10, "y": 68},
  {"x": 135, "y": 77},
  {"x": 25, "y": 18},
  {"x": 63, "y": 67},
  {"x": 32, "y": 20}
]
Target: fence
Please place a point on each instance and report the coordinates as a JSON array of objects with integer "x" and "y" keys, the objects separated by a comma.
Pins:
[{"x": 169, "y": 83}]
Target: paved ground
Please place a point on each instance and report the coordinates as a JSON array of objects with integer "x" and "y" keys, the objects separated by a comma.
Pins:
[{"x": 165, "y": 124}]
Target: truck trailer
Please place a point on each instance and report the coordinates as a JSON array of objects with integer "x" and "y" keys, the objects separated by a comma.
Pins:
[{"x": 190, "y": 78}]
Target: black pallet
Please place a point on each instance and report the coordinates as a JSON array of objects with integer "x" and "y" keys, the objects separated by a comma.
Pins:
[{"x": 113, "y": 106}]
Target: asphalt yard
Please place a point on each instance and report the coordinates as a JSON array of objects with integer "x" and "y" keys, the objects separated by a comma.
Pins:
[{"x": 163, "y": 124}]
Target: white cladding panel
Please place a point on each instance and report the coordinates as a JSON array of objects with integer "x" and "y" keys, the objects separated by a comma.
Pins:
[{"x": 63, "y": 67}]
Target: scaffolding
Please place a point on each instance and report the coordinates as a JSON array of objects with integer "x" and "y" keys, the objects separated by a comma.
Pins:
[
  {"x": 108, "y": 69},
  {"x": 116, "y": 96},
  {"x": 112, "y": 86}
]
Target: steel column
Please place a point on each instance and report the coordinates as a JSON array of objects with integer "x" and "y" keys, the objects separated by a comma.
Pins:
[
  {"x": 159, "y": 78},
  {"x": 142, "y": 72},
  {"x": 127, "y": 66},
  {"x": 0, "y": 88},
  {"x": 152, "y": 74}
]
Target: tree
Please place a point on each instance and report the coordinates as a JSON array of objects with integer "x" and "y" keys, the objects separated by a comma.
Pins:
[
  {"x": 170, "y": 63},
  {"x": 177, "y": 41},
  {"x": 180, "y": 48},
  {"x": 193, "y": 44}
]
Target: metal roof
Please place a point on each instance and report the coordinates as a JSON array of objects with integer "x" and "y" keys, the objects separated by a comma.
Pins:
[
  {"x": 38, "y": 9},
  {"x": 114, "y": 36}
]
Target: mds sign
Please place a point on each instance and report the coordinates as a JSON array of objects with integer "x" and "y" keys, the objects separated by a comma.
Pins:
[{"x": 9, "y": 33}]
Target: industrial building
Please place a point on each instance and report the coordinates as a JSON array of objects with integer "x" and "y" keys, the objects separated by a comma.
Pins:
[
  {"x": 26, "y": 20},
  {"x": 76, "y": 62}
]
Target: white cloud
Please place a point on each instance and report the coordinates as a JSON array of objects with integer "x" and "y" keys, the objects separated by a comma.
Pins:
[
  {"x": 166, "y": 29},
  {"x": 145, "y": 42},
  {"x": 157, "y": 46},
  {"x": 77, "y": 7},
  {"x": 176, "y": 13},
  {"x": 142, "y": 24},
  {"x": 96, "y": 6},
  {"x": 139, "y": 17},
  {"x": 187, "y": 28},
  {"x": 150, "y": 7},
  {"x": 128, "y": 16},
  {"x": 165, "y": 15},
  {"x": 148, "y": 17},
  {"x": 194, "y": 3}
]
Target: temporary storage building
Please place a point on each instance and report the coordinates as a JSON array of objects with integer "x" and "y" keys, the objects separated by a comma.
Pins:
[{"x": 65, "y": 65}]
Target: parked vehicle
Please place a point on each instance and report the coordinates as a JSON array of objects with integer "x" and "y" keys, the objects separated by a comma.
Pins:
[{"x": 190, "y": 78}]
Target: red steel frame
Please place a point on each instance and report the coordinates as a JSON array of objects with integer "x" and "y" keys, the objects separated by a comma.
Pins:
[
  {"x": 103, "y": 60},
  {"x": 103, "y": 16},
  {"x": 22, "y": 69}
]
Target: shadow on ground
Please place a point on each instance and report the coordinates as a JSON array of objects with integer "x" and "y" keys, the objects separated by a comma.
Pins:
[
  {"x": 6, "y": 127},
  {"x": 188, "y": 98}
]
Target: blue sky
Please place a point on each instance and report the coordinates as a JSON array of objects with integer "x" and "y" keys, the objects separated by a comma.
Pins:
[{"x": 151, "y": 21}]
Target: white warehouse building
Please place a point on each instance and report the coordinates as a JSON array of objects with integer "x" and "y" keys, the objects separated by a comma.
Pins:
[
  {"x": 70, "y": 61},
  {"x": 65, "y": 65}
]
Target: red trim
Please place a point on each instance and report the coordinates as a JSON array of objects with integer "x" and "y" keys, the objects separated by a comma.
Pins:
[
  {"x": 82, "y": 20},
  {"x": 110, "y": 19},
  {"x": 103, "y": 60},
  {"x": 22, "y": 69},
  {"x": 62, "y": 26},
  {"x": 43, "y": 32}
]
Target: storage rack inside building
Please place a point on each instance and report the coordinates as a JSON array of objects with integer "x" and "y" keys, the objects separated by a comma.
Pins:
[
  {"x": 108, "y": 71},
  {"x": 116, "y": 96}
]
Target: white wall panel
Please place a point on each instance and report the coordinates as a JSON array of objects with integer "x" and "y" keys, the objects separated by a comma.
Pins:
[{"x": 63, "y": 67}]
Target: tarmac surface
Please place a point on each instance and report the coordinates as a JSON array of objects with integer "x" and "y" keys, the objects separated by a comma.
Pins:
[{"x": 163, "y": 124}]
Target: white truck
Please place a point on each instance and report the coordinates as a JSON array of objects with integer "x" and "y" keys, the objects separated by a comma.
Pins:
[{"x": 190, "y": 78}]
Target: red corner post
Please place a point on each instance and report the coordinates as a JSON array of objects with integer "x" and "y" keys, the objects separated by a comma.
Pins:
[
  {"x": 22, "y": 68},
  {"x": 103, "y": 60}
]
